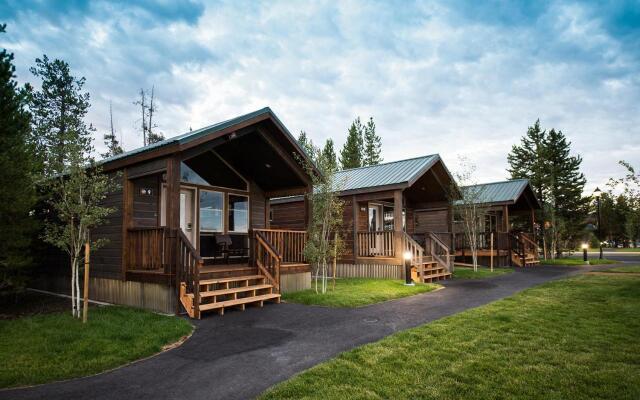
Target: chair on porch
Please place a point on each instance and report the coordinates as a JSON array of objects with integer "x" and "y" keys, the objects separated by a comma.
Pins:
[{"x": 227, "y": 248}]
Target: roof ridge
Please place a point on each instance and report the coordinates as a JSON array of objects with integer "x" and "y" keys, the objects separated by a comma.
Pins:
[
  {"x": 387, "y": 163},
  {"x": 496, "y": 182}
]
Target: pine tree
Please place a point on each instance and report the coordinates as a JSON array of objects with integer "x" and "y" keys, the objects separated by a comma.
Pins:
[
  {"x": 372, "y": 144},
  {"x": 17, "y": 196},
  {"x": 110, "y": 140},
  {"x": 544, "y": 158},
  {"x": 73, "y": 184},
  {"x": 353, "y": 149},
  {"x": 329, "y": 155},
  {"x": 307, "y": 144},
  {"x": 58, "y": 111}
]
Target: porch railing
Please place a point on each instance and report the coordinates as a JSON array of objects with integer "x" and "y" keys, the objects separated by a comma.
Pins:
[
  {"x": 376, "y": 244},
  {"x": 414, "y": 248},
  {"x": 501, "y": 241},
  {"x": 147, "y": 249},
  {"x": 188, "y": 264},
  {"x": 267, "y": 259},
  {"x": 289, "y": 244},
  {"x": 438, "y": 249}
]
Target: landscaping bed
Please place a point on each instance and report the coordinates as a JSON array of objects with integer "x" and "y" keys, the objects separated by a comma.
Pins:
[
  {"x": 355, "y": 292},
  {"x": 482, "y": 272},
  {"x": 569, "y": 339},
  {"x": 54, "y": 346}
]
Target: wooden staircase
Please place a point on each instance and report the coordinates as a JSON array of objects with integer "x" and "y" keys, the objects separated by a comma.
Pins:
[
  {"x": 524, "y": 251},
  {"x": 431, "y": 272},
  {"x": 220, "y": 293},
  {"x": 430, "y": 265}
]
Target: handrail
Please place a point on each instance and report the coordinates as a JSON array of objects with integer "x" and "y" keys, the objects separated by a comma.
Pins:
[
  {"x": 417, "y": 253},
  {"x": 268, "y": 259},
  {"x": 188, "y": 264},
  {"x": 147, "y": 249},
  {"x": 443, "y": 250}
]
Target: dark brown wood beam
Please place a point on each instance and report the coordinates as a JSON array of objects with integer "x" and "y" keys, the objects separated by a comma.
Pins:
[{"x": 287, "y": 158}]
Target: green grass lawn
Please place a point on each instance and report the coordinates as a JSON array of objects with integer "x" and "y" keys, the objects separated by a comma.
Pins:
[
  {"x": 620, "y": 250},
  {"x": 568, "y": 339},
  {"x": 577, "y": 261},
  {"x": 355, "y": 292},
  {"x": 626, "y": 268},
  {"x": 483, "y": 272},
  {"x": 50, "y": 347}
]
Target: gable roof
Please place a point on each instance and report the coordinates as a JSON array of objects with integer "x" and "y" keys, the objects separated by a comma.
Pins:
[
  {"x": 508, "y": 191},
  {"x": 188, "y": 137},
  {"x": 391, "y": 173}
]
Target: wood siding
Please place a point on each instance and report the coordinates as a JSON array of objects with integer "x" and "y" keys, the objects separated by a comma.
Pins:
[
  {"x": 146, "y": 208},
  {"x": 288, "y": 216},
  {"x": 257, "y": 202},
  {"x": 432, "y": 221},
  {"x": 106, "y": 262}
]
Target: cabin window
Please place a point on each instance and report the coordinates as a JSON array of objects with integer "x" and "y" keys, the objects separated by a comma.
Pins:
[
  {"x": 209, "y": 169},
  {"x": 387, "y": 219},
  {"x": 211, "y": 211},
  {"x": 238, "y": 213}
]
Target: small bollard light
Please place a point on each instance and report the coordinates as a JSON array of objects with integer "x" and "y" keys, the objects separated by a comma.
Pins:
[
  {"x": 407, "y": 269},
  {"x": 584, "y": 251}
]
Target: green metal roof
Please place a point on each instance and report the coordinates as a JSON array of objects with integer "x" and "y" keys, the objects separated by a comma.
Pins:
[
  {"x": 500, "y": 192},
  {"x": 193, "y": 135},
  {"x": 391, "y": 173}
]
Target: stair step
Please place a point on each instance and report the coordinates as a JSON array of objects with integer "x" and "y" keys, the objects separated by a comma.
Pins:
[
  {"x": 443, "y": 274},
  {"x": 237, "y": 302},
  {"x": 240, "y": 289},
  {"x": 231, "y": 279}
]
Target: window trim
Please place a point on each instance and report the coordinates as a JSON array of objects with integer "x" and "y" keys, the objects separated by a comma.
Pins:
[
  {"x": 228, "y": 212},
  {"x": 209, "y": 231}
]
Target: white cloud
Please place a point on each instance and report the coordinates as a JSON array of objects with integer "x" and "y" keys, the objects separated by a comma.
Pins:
[{"x": 436, "y": 78}]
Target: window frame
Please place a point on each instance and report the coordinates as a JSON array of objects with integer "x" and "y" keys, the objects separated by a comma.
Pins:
[{"x": 228, "y": 212}]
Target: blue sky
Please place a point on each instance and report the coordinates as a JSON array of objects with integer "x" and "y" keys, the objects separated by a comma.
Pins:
[{"x": 459, "y": 78}]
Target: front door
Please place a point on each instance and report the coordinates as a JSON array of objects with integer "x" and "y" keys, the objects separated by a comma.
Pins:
[
  {"x": 375, "y": 225},
  {"x": 187, "y": 214}
]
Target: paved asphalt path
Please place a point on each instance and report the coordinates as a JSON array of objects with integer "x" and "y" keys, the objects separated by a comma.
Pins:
[{"x": 241, "y": 354}]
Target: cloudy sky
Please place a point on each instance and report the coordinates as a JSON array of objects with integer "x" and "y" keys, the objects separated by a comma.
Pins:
[{"x": 457, "y": 78}]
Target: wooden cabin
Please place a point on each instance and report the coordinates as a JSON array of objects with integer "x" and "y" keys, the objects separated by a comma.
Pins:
[
  {"x": 191, "y": 230},
  {"x": 390, "y": 209},
  {"x": 508, "y": 231}
]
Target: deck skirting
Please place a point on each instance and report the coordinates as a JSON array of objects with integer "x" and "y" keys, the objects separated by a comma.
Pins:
[
  {"x": 377, "y": 271},
  {"x": 151, "y": 296}
]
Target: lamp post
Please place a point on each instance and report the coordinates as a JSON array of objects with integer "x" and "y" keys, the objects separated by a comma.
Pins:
[
  {"x": 597, "y": 193},
  {"x": 407, "y": 269},
  {"x": 585, "y": 246}
]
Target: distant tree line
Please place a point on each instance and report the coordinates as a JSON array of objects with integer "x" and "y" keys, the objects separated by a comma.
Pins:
[
  {"x": 619, "y": 210},
  {"x": 362, "y": 147}
]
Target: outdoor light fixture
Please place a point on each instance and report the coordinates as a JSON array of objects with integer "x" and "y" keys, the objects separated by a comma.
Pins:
[
  {"x": 585, "y": 246},
  {"x": 597, "y": 193},
  {"x": 407, "y": 268}
]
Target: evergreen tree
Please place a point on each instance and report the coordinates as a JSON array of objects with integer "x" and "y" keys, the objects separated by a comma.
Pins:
[
  {"x": 110, "y": 140},
  {"x": 329, "y": 155},
  {"x": 74, "y": 186},
  {"x": 307, "y": 144},
  {"x": 372, "y": 144},
  {"x": 352, "y": 152},
  {"x": 544, "y": 158},
  {"x": 17, "y": 196},
  {"x": 58, "y": 111}
]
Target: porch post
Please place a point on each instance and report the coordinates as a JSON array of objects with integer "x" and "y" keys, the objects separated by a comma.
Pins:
[
  {"x": 355, "y": 210},
  {"x": 127, "y": 219},
  {"x": 173, "y": 207},
  {"x": 397, "y": 224},
  {"x": 505, "y": 218}
]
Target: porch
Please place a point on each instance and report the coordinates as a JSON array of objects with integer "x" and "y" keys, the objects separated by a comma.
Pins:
[{"x": 198, "y": 220}]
